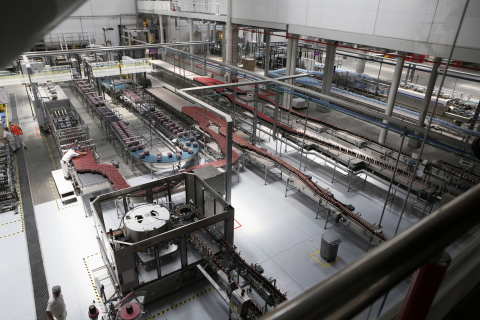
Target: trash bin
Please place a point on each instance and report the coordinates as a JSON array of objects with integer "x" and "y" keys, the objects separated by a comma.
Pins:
[{"x": 329, "y": 245}]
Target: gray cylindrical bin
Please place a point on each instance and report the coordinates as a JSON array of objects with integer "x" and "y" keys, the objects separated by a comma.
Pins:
[{"x": 329, "y": 245}]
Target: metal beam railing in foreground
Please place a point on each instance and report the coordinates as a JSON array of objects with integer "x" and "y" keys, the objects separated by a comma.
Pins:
[{"x": 354, "y": 288}]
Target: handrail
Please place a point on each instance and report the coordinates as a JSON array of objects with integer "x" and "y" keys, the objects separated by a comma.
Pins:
[{"x": 357, "y": 286}]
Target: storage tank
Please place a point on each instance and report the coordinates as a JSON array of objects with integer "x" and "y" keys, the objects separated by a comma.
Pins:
[{"x": 146, "y": 221}]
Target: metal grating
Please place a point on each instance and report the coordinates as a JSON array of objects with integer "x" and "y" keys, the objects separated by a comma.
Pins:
[{"x": 39, "y": 280}]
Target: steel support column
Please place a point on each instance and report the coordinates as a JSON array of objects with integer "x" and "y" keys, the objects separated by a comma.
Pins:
[
  {"x": 255, "y": 115},
  {"x": 228, "y": 34},
  {"x": 275, "y": 115},
  {"x": 224, "y": 48},
  {"x": 161, "y": 20},
  {"x": 207, "y": 37},
  {"x": 292, "y": 57},
  {"x": 287, "y": 66},
  {"x": 426, "y": 101},
  {"x": 192, "y": 48},
  {"x": 214, "y": 35},
  {"x": 393, "y": 93},
  {"x": 228, "y": 182},
  {"x": 234, "y": 36},
  {"x": 360, "y": 67},
  {"x": 329, "y": 67},
  {"x": 266, "y": 59},
  {"x": 162, "y": 29}
]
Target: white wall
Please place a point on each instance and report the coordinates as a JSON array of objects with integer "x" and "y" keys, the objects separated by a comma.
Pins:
[
  {"x": 95, "y": 14},
  {"x": 427, "y": 26},
  {"x": 178, "y": 33}
]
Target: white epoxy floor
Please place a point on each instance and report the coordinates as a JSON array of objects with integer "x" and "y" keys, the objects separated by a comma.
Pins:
[{"x": 278, "y": 232}]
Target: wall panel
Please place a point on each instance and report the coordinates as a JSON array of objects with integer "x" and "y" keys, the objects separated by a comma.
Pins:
[
  {"x": 406, "y": 19},
  {"x": 93, "y": 15},
  {"x": 259, "y": 10},
  {"x": 346, "y": 15},
  {"x": 447, "y": 19}
]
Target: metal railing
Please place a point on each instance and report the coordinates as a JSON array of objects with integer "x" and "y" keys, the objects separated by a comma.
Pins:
[
  {"x": 354, "y": 288},
  {"x": 218, "y": 7},
  {"x": 66, "y": 40}
]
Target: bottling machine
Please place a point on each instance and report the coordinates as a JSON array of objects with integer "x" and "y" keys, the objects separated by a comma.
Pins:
[{"x": 173, "y": 232}]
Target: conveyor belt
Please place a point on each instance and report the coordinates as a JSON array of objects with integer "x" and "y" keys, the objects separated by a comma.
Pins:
[
  {"x": 170, "y": 67},
  {"x": 384, "y": 165},
  {"x": 276, "y": 296},
  {"x": 37, "y": 270},
  {"x": 170, "y": 98},
  {"x": 404, "y": 112},
  {"x": 204, "y": 117}
]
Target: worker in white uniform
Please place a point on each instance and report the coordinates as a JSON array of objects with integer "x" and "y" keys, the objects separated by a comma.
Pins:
[
  {"x": 8, "y": 136},
  {"x": 69, "y": 155},
  {"x": 56, "y": 309}
]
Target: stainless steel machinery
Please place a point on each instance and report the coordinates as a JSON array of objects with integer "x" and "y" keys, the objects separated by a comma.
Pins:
[
  {"x": 174, "y": 232},
  {"x": 8, "y": 192}
]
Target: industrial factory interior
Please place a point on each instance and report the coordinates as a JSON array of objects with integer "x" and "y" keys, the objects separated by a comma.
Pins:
[{"x": 238, "y": 159}]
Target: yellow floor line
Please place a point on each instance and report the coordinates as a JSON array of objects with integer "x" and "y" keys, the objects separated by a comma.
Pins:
[
  {"x": 11, "y": 234},
  {"x": 99, "y": 299},
  {"x": 50, "y": 152},
  {"x": 179, "y": 304},
  {"x": 19, "y": 195},
  {"x": 58, "y": 202},
  {"x": 323, "y": 265},
  {"x": 3, "y": 224}
]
